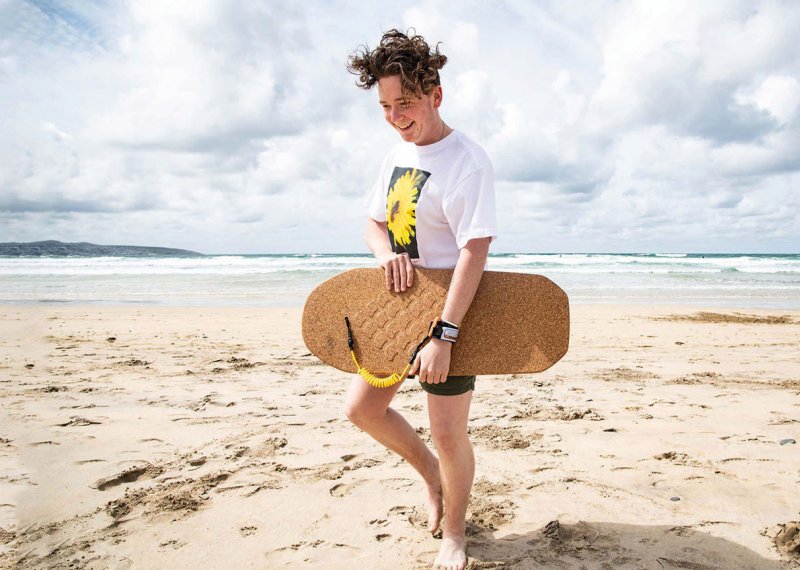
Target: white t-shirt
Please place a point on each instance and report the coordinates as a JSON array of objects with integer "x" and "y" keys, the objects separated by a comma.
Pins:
[{"x": 435, "y": 198}]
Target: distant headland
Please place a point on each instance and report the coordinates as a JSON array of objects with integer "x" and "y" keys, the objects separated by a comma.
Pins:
[{"x": 52, "y": 248}]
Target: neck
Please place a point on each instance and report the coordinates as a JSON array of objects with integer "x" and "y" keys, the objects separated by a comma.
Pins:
[{"x": 444, "y": 132}]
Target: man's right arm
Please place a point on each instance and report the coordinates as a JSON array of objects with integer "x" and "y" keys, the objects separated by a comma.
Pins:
[{"x": 398, "y": 267}]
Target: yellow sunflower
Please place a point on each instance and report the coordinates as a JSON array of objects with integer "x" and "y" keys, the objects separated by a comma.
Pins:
[{"x": 401, "y": 206}]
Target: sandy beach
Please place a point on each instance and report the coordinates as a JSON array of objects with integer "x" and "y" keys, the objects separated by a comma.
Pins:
[{"x": 147, "y": 437}]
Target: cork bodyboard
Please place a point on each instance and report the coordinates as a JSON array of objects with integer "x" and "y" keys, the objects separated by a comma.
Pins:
[{"x": 517, "y": 322}]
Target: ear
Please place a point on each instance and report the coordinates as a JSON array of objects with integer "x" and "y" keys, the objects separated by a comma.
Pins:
[{"x": 437, "y": 96}]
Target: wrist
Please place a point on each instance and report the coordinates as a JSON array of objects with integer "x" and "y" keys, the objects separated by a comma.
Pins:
[
  {"x": 445, "y": 331},
  {"x": 384, "y": 257}
]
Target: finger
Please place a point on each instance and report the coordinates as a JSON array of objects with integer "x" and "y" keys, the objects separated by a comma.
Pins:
[
  {"x": 408, "y": 269},
  {"x": 396, "y": 276},
  {"x": 415, "y": 366},
  {"x": 388, "y": 275},
  {"x": 401, "y": 269},
  {"x": 409, "y": 272},
  {"x": 424, "y": 372}
]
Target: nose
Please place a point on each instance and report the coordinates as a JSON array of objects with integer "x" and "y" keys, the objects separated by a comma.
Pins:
[{"x": 395, "y": 114}]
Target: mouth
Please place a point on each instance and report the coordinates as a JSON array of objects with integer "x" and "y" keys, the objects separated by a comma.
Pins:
[{"x": 404, "y": 128}]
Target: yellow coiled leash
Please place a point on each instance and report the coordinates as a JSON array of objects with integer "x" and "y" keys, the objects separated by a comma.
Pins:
[{"x": 387, "y": 381}]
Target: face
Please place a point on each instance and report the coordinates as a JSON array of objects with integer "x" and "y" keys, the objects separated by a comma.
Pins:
[{"x": 416, "y": 118}]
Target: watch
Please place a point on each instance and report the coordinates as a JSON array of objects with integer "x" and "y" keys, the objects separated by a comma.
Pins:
[{"x": 446, "y": 331}]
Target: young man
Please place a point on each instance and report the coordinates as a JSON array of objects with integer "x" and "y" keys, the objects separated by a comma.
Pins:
[{"x": 432, "y": 206}]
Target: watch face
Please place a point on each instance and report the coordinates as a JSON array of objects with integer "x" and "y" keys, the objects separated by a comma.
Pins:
[
  {"x": 445, "y": 332},
  {"x": 449, "y": 334}
]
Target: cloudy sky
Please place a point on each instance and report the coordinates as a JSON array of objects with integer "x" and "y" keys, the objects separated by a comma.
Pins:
[{"x": 233, "y": 127}]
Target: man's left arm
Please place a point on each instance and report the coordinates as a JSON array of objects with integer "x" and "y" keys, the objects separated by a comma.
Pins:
[{"x": 433, "y": 361}]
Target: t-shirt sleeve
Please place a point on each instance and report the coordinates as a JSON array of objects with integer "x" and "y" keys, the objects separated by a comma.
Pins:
[{"x": 469, "y": 207}]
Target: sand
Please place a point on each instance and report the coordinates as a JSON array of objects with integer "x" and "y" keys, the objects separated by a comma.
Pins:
[{"x": 146, "y": 437}]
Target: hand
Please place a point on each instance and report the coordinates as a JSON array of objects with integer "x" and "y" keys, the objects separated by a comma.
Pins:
[
  {"x": 433, "y": 362},
  {"x": 399, "y": 271}
]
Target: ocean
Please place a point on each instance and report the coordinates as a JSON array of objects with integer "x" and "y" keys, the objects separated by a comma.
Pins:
[{"x": 709, "y": 280}]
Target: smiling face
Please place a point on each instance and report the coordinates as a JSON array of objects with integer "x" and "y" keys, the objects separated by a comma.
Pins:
[{"x": 415, "y": 117}]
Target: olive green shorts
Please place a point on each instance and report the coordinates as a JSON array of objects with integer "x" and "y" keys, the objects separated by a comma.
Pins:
[{"x": 453, "y": 386}]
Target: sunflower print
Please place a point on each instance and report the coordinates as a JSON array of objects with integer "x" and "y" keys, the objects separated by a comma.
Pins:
[{"x": 401, "y": 207}]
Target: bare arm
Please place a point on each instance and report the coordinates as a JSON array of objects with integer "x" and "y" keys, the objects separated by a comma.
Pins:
[
  {"x": 398, "y": 268},
  {"x": 466, "y": 278},
  {"x": 433, "y": 361}
]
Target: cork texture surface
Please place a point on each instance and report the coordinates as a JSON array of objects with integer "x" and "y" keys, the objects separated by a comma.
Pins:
[{"x": 517, "y": 323}]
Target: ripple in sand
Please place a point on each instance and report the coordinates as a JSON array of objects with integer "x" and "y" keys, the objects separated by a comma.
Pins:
[{"x": 623, "y": 373}]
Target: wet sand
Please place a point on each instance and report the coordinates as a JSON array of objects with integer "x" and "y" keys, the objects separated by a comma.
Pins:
[{"x": 145, "y": 437}]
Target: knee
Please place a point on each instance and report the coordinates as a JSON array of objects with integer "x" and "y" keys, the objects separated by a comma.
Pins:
[
  {"x": 449, "y": 441},
  {"x": 361, "y": 414}
]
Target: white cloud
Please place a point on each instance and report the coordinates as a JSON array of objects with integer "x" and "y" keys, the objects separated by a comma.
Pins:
[
  {"x": 222, "y": 126},
  {"x": 779, "y": 95}
]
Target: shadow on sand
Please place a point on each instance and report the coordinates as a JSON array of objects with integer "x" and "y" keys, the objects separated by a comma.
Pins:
[{"x": 600, "y": 545}]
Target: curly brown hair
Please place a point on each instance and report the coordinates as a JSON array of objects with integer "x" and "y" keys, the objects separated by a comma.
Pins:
[{"x": 407, "y": 55}]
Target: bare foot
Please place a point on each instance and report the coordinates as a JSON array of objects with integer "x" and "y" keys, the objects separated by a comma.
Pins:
[
  {"x": 435, "y": 507},
  {"x": 452, "y": 554}
]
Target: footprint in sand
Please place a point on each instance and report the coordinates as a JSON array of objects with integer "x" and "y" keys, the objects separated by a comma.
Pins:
[
  {"x": 179, "y": 498},
  {"x": 501, "y": 438},
  {"x": 488, "y": 515},
  {"x": 77, "y": 421},
  {"x": 397, "y": 483},
  {"x": 486, "y": 487},
  {"x": 341, "y": 489},
  {"x": 363, "y": 464},
  {"x": 411, "y": 514},
  {"x": 127, "y": 476}
]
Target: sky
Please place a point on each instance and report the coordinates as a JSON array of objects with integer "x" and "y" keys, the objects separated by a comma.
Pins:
[{"x": 234, "y": 127}]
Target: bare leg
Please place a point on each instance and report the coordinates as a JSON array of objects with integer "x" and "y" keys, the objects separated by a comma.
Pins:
[
  {"x": 368, "y": 408},
  {"x": 449, "y": 415}
]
